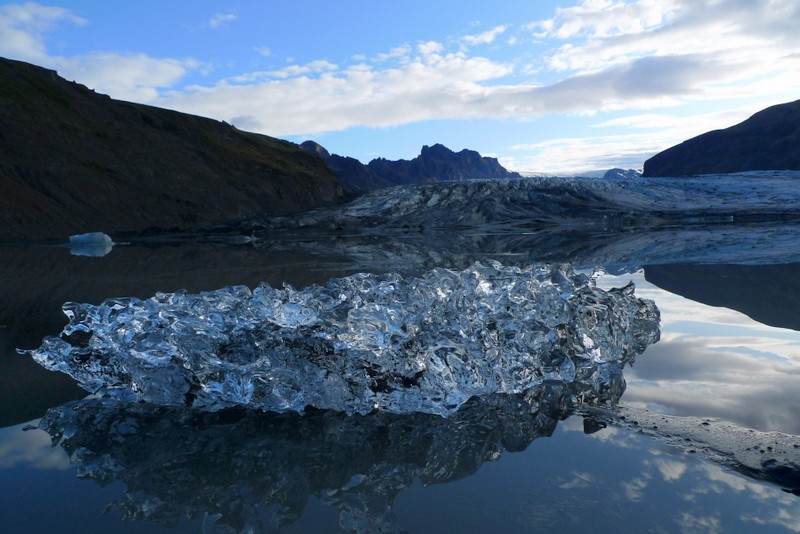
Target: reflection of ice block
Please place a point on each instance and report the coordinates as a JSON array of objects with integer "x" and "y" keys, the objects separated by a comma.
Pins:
[
  {"x": 232, "y": 466},
  {"x": 361, "y": 343},
  {"x": 91, "y": 244},
  {"x": 249, "y": 471}
]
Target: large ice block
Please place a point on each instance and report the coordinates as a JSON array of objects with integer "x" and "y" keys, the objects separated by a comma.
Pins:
[{"x": 362, "y": 343}]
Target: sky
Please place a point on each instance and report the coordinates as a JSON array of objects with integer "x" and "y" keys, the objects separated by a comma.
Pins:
[{"x": 545, "y": 86}]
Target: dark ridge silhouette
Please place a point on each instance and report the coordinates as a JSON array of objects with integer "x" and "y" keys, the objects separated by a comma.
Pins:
[
  {"x": 435, "y": 163},
  {"x": 769, "y": 140}
]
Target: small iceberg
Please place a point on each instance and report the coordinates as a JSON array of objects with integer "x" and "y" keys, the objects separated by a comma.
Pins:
[{"x": 95, "y": 244}]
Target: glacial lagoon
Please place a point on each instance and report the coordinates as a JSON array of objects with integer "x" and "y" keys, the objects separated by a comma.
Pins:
[{"x": 691, "y": 425}]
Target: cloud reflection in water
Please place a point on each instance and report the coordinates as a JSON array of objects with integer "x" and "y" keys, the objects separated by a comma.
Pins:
[{"x": 716, "y": 362}]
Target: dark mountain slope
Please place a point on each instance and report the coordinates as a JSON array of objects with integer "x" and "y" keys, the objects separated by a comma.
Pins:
[
  {"x": 355, "y": 177},
  {"x": 72, "y": 161},
  {"x": 769, "y": 140}
]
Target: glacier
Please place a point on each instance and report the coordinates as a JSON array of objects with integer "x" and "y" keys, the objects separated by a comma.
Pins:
[
  {"x": 570, "y": 202},
  {"x": 621, "y": 224},
  {"x": 363, "y": 343}
]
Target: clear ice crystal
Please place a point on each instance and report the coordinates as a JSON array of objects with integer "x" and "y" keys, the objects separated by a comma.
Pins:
[{"x": 361, "y": 343}]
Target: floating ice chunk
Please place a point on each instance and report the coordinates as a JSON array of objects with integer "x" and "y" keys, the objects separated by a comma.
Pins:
[
  {"x": 361, "y": 343},
  {"x": 91, "y": 244}
]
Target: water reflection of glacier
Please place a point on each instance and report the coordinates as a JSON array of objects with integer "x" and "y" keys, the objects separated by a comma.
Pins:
[
  {"x": 620, "y": 224},
  {"x": 361, "y": 343},
  {"x": 618, "y": 251}
]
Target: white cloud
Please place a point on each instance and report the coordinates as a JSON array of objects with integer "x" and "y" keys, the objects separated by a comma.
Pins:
[
  {"x": 133, "y": 76},
  {"x": 671, "y": 470},
  {"x": 643, "y": 121},
  {"x": 716, "y": 362},
  {"x": 786, "y": 518},
  {"x": 221, "y": 19},
  {"x": 738, "y": 34},
  {"x": 642, "y": 55},
  {"x": 32, "y": 448},
  {"x": 433, "y": 86},
  {"x": 23, "y": 26},
  {"x": 634, "y": 490},
  {"x": 603, "y": 18},
  {"x": 639, "y": 56},
  {"x": 486, "y": 37},
  {"x": 648, "y": 134},
  {"x": 578, "y": 480},
  {"x": 578, "y": 154},
  {"x": 430, "y": 47},
  {"x": 290, "y": 71},
  {"x": 395, "y": 53},
  {"x": 319, "y": 97},
  {"x": 689, "y": 522}
]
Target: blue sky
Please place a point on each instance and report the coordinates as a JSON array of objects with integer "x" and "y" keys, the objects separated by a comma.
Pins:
[{"x": 546, "y": 86}]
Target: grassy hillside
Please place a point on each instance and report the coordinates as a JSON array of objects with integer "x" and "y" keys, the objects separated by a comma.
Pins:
[{"x": 72, "y": 161}]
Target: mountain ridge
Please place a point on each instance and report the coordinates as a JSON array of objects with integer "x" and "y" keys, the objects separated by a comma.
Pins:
[
  {"x": 768, "y": 140},
  {"x": 435, "y": 163},
  {"x": 74, "y": 161}
]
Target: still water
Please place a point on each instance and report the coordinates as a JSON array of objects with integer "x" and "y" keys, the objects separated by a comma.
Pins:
[{"x": 697, "y": 450}]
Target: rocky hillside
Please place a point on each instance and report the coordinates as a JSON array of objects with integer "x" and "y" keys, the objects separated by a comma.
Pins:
[
  {"x": 435, "y": 163},
  {"x": 74, "y": 161},
  {"x": 769, "y": 140},
  {"x": 355, "y": 177},
  {"x": 438, "y": 163}
]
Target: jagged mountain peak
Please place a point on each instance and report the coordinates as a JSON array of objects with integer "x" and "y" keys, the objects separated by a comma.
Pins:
[{"x": 435, "y": 163}]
